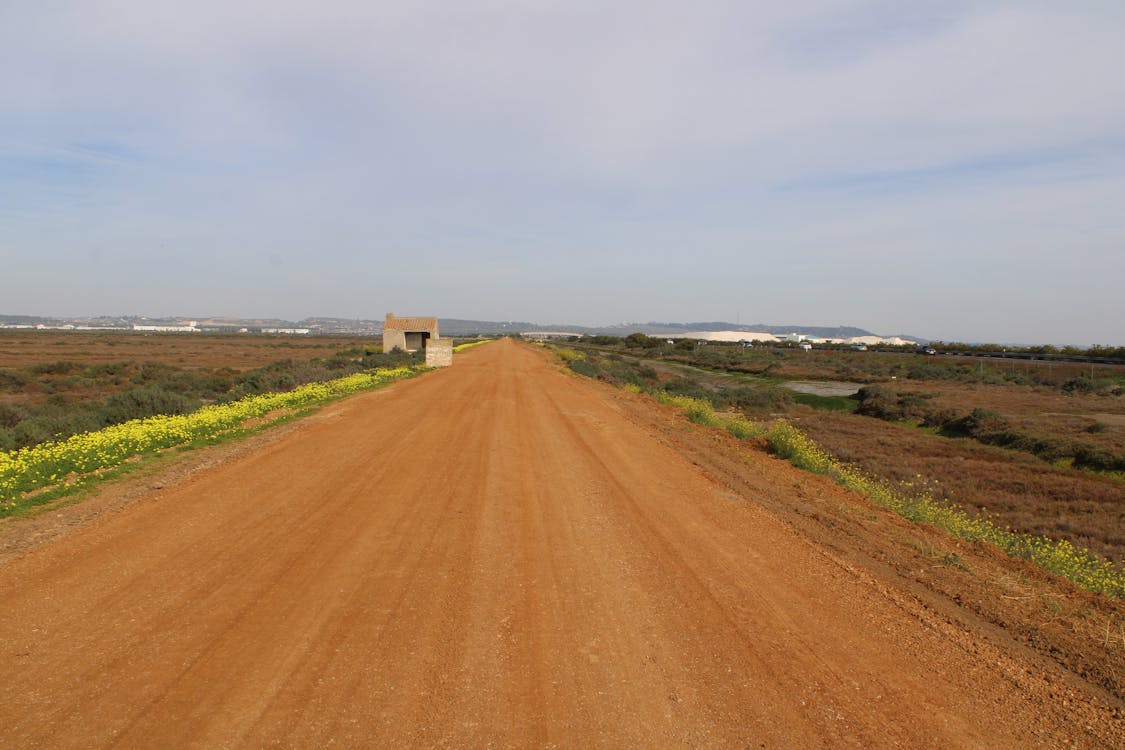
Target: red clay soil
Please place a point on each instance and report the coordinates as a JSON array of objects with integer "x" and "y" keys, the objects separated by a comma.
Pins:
[{"x": 494, "y": 555}]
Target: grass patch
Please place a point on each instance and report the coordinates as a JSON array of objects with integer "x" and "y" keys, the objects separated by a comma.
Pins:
[
  {"x": 827, "y": 403},
  {"x": 568, "y": 355},
  {"x": 701, "y": 411}
]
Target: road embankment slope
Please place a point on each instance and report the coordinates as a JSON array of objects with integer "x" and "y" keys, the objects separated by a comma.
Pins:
[{"x": 491, "y": 555}]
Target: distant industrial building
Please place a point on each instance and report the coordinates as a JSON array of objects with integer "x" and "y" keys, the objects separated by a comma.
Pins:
[
  {"x": 544, "y": 335},
  {"x": 188, "y": 326}
]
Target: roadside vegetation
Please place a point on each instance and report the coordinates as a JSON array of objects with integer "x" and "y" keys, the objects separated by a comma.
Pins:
[
  {"x": 40, "y": 474},
  {"x": 1041, "y": 488},
  {"x": 68, "y": 423},
  {"x": 51, "y": 401},
  {"x": 470, "y": 344}
]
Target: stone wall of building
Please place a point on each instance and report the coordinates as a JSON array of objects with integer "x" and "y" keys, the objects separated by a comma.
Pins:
[
  {"x": 394, "y": 340},
  {"x": 439, "y": 352}
]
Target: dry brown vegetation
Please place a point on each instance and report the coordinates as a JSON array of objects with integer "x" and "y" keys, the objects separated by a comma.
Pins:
[
  {"x": 22, "y": 348},
  {"x": 57, "y": 384},
  {"x": 1096, "y": 419},
  {"x": 1034, "y": 491},
  {"x": 1027, "y": 483},
  {"x": 1016, "y": 489}
]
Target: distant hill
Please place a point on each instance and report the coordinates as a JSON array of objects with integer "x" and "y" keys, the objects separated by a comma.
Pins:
[
  {"x": 457, "y": 327},
  {"x": 448, "y": 326}
]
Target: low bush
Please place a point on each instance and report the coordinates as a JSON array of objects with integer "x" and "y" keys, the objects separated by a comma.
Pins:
[
  {"x": 583, "y": 367},
  {"x": 61, "y": 367},
  {"x": 12, "y": 380},
  {"x": 755, "y": 398},
  {"x": 147, "y": 401},
  {"x": 1097, "y": 459},
  {"x": 989, "y": 427},
  {"x": 10, "y": 415},
  {"x": 976, "y": 422},
  {"x": 1077, "y": 385},
  {"x": 687, "y": 387},
  {"x": 886, "y": 404}
]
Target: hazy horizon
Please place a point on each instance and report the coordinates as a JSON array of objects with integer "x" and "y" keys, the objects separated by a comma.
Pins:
[
  {"x": 797, "y": 327},
  {"x": 952, "y": 170}
]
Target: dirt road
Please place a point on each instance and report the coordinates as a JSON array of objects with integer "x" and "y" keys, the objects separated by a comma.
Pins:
[{"x": 494, "y": 555}]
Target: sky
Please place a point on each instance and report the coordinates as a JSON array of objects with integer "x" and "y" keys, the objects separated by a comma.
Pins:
[{"x": 951, "y": 170}]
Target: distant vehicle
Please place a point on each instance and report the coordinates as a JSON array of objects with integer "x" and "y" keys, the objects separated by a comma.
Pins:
[
  {"x": 859, "y": 347},
  {"x": 805, "y": 346},
  {"x": 929, "y": 350}
]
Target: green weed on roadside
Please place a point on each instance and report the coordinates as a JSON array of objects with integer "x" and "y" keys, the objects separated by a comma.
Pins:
[{"x": 1055, "y": 556}]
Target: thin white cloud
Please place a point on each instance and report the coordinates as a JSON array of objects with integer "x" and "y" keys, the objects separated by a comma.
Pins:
[{"x": 499, "y": 134}]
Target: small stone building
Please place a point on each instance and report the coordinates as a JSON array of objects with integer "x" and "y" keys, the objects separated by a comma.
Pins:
[
  {"x": 408, "y": 334},
  {"x": 412, "y": 334}
]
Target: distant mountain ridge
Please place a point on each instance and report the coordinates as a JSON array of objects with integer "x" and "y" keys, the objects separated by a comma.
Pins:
[
  {"x": 464, "y": 327},
  {"x": 448, "y": 326}
]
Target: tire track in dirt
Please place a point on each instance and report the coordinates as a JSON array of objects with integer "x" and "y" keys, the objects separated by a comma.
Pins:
[{"x": 496, "y": 554}]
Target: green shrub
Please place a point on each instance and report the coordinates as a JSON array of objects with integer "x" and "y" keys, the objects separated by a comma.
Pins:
[
  {"x": 10, "y": 416},
  {"x": 12, "y": 380},
  {"x": 106, "y": 370},
  {"x": 827, "y": 403},
  {"x": 939, "y": 418},
  {"x": 583, "y": 367},
  {"x": 1098, "y": 459},
  {"x": 687, "y": 387},
  {"x": 62, "y": 367},
  {"x": 31, "y": 432},
  {"x": 883, "y": 403},
  {"x": 147, "y": 401},
  {"x": 1077, "y": 385},
  {"x": 755, "y": 398},
  {"x": 151, "y": 372},
  {"x": 975, "y": 423},
  {"x": 642, "y": 341}
]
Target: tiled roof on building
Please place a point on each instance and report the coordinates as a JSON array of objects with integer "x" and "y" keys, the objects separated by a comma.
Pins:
[{"x": 409, "y": 324}]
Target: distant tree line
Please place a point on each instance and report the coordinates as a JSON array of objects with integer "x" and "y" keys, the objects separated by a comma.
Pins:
[{"x": 1104, "y": 352}]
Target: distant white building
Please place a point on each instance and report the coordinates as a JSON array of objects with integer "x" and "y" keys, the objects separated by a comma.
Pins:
[
  {"x": 541, "y": 335},
  {"x": 727, "y": 336},
  {"x": 793, "y": 337},
  {"x": 166, "y": 329},
  {"x": 877, "y": 340}
]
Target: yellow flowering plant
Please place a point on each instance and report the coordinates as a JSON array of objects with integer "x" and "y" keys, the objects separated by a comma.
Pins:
[{"x": 37, "y": 474}]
